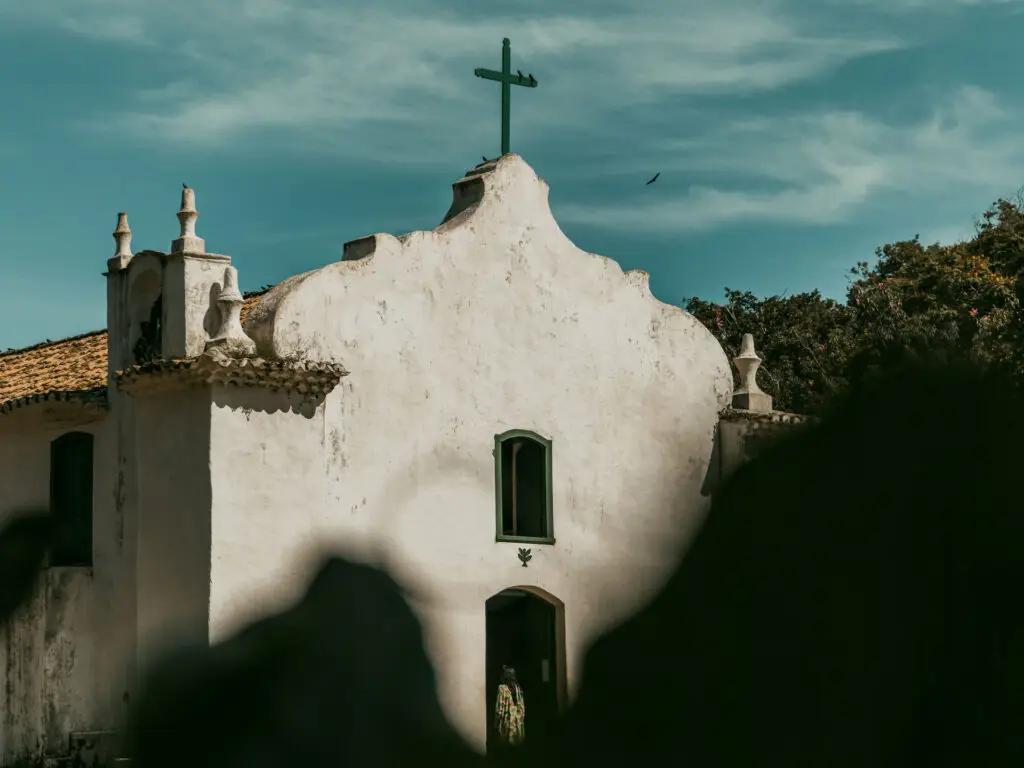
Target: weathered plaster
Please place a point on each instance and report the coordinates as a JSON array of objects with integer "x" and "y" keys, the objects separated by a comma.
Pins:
[
  {"x": 172, "y": 443},
  {"x": 192, "y": 283},
  {"x": 493, "y": 321},
  {"x": 64, "y": 654},
  {"x": 269, "y": 492}
]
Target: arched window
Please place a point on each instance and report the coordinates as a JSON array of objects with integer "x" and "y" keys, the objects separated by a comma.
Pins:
[
  {"x": 71, "y": 466},
  {"x": 522, "y": 467}
]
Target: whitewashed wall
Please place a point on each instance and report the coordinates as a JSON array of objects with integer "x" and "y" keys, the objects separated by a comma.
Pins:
[{"x": 494, "y": 321}]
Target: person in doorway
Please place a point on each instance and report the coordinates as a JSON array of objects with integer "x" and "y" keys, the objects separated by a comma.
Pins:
[{"x": 510, "y": 710}]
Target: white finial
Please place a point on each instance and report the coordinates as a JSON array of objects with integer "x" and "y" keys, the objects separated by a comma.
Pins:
[
  {"x": 187, "y": 241},
  {"x": 230, "y": 293},
  {"x": 748, "y": 362},
  {"x": 749, "y": 396},
  {"x": 123, "y": 238},
  {"x": 231, "y": 335}
]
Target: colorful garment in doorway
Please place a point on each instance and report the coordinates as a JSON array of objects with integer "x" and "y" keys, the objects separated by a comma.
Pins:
[{"x": 510, "y": 714}]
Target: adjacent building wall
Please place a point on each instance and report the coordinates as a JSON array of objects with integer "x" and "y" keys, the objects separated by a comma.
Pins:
[{"x": 65, "y": 656}]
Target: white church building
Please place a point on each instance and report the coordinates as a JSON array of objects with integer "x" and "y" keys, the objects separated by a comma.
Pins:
[{"x": 517, "y": 429}]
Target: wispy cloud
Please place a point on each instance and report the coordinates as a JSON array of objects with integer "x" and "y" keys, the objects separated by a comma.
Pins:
[
  {"x": 903, "y": 6},
  {"x": 391, "y": 83},
  {"x": 821, "y": 168},
  {"x": 125, "y": 29},
  {"x": 316, "y": 74}
]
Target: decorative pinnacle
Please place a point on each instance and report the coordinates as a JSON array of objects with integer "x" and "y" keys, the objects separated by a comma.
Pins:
[
  {"x": 748, "y": 362},
  {"x": 749, "y": 396},
  {"x": 229, "y": 293},
  {"x": 188, "y": 241},
  {"x": 188, "y": 214},
  {"x": 231, "y": 337},
  {"x": 123, "y": 237}
]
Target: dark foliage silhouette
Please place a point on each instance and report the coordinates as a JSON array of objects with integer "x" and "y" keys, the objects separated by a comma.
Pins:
[
  {"x": 341, "y": 679},
  {"x": 852, "y": 600},
  {"x": 25, "y": 537}
]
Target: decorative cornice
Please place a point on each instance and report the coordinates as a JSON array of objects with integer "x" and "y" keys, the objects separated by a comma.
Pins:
[
  {"x": 96, "y": 396},
  {"x": 304, "y": 377}
]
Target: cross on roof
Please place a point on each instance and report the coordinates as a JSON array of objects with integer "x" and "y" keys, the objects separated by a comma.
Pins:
[{"x": 507, "y": 79}]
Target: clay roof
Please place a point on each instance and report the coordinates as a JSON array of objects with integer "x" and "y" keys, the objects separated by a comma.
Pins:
[
  {"x": 70, "y": 365},
  {"x": 62, "y": 369}
]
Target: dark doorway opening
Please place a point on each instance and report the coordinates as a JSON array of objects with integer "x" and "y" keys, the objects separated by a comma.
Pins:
[{"x": 524, "y": 631}]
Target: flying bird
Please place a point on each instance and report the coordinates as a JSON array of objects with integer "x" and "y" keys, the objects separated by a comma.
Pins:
[{"x": 655, "y": 178}]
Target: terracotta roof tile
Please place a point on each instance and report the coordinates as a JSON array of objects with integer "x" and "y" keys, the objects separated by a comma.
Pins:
[
  {"x": 76, "y": 364},
  {"x": 68, "y": 365}
]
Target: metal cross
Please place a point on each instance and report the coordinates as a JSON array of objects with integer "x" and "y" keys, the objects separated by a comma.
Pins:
[{"x": 507, "y": 79}]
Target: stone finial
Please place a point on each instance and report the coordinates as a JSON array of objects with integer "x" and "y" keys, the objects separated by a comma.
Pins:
[
  {"x": 123, "y": 237},
  {"x": 188, "y": 241},
  {"x": 231, "y": 336},
  {"x": 749, "y": 396}
]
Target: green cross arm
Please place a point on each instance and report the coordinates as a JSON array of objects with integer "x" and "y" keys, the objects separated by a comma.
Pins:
[{"x": 502, "y": 77}]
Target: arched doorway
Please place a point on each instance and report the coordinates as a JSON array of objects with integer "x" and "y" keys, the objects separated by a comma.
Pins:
[{"x": 526, "y": 630}]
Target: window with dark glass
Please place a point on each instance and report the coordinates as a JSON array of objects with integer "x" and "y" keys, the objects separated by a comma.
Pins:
[
  {"x": 523, "y": 480},
  {"x": 71, "y": 477}
]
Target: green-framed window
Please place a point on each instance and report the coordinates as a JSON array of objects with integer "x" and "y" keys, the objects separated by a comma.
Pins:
[
  {"x": 71, "y": 480},
  {"x": 522, "y": 480}
]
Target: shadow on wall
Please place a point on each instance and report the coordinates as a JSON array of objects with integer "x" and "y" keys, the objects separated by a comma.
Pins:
[
  {"x": 251, "y": 401},
  {"x": 25, "y": 539},
  {"x": 851, "y": 600}
]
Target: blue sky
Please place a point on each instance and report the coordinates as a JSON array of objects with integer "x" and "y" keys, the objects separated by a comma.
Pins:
[{"x": 792, "y": 137}]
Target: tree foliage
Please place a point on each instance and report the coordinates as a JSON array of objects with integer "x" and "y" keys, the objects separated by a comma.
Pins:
[{"x": 959, "y": 302}]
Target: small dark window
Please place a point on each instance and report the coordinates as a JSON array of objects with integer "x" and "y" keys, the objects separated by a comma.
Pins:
[
  {"x": 149, "y": 344},
  {"x": 523, "y": 469},
  {"x": 71, "y": 499}
]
